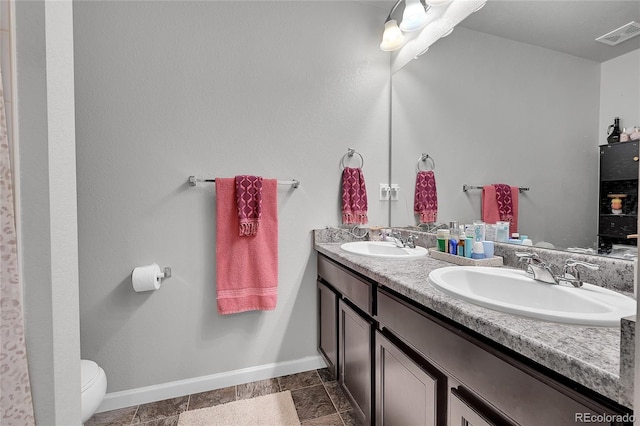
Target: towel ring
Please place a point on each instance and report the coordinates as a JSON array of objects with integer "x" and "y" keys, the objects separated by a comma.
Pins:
[
  {"x": 423, "y": 159},
  {"x": 349, "y": 154}
]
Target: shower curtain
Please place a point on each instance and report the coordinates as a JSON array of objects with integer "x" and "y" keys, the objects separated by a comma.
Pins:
[{"x": 16, "y": 407}]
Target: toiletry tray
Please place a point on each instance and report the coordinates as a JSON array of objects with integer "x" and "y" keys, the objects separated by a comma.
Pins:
[{"x": 464, "y": 261}]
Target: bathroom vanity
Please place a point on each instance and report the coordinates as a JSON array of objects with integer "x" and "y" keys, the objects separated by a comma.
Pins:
[{"x": 405, "y": 353}]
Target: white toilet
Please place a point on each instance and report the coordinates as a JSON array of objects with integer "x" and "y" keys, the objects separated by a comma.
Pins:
[{"x": 94, "y": 387}]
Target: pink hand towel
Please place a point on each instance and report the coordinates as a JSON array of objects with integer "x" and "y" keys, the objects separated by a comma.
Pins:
[
  {"x": 249, "y": 203},
  {"x": 354, "y": 196},
  {"x": 491, "y": 211},
  {"x": 246, "y": 268},
  {"x": 425, "y": 202}
]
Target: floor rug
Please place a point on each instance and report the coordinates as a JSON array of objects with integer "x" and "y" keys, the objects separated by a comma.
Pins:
[{"x": 268, "y": 410}]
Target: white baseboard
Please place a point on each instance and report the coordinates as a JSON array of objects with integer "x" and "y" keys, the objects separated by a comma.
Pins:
[{"x": 132, "y": 397}]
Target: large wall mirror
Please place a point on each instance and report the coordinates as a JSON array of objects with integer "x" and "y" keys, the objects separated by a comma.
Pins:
[{"x": 519, "y": 93}]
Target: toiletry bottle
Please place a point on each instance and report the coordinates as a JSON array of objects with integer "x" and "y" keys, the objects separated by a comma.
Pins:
[
  {"x": 453, "y": 246},
  {"x": 461, "y": 245},
  {"x": 635, "y": 135},
  {"x": 478, "y": 230},
  {"x": 454, "y": 230},
  {"x": 468, "y": 246},
  {"x": 443, "y": 240},
  {"x": 502, "y": 231},
  {"x": 624, "y": 136},
  {"x": 614, "y": 131}
]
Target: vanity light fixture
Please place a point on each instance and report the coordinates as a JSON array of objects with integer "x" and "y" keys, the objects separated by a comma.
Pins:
[
  {"x": 437, "y": 3},
  {"x": 392, "y": 37},
  {"x": 415, "y": 16},
  {"x": 440, "y": 17}
]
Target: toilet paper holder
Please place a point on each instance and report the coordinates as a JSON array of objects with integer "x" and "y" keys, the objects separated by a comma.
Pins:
[
  {"x": 166, "y": 272},
  {"x": 149, "y": 277}
]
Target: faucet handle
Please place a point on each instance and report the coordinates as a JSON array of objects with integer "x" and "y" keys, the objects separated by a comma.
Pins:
[
  {"x": 571, "y": 273},
  {"x": 572, "y": 263},
  {"x": 528, "y": 258}
]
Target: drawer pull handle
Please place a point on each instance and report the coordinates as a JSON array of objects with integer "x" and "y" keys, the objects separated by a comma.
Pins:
[{"x": 636, "y": 158}]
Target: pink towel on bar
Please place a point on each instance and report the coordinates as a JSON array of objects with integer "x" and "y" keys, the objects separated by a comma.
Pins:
[
  {"x": 354, "y": 196},
  {"x": 249, "y": 203},
  {"x": 425, "y": 202},
  {"x": 246, "y": 268},
  {"x": 492, "y": 212}
]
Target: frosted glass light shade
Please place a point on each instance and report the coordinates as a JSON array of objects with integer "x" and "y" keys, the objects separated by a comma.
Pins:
[
  {"x": 392, "y": 38},
  {"x": 414, "y": 16},
  {"x": 436, "y": 3}
]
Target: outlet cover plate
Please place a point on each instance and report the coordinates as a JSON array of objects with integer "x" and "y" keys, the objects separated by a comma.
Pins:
[
  {"x": 395, "y": 192},
  {"x": 385, "y": 191}
]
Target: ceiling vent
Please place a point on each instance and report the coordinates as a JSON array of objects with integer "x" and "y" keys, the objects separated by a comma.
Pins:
[{"x": 623, "y": 33}]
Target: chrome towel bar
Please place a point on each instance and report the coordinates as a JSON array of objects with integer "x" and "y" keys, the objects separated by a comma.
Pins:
[
  {"x": 466, "y": 187},
  {"x": 194, "y": 180}
]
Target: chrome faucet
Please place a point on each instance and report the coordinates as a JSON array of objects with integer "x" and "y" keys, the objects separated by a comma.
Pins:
[
  {"x": 544, "y": 273},
  {"x": 410, "y": 242},
  {"x": 540, "y": 270},
  {"x": 571, "y": 274}
]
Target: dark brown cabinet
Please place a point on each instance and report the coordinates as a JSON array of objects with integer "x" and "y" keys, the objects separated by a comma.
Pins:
[
  {"x": 345, "y": 332},
  {"x": 498, "y": 388},
  {"x": 464, "y": 413},
  {"x": 401, "y": 364},
  {"x": 406, "y": 393},
  {"x": 618, "y": 179},
  {"x": 328, "y": 327},
  {"x": 354, "y": 341}
]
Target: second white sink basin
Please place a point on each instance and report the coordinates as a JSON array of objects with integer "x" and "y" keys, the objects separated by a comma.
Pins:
[
  {"x": 383, "y": 249},
  {"x": 514, "y": 292}
]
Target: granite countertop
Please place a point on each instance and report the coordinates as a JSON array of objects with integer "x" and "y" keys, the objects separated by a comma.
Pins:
[{"x": 590, "y": 356}]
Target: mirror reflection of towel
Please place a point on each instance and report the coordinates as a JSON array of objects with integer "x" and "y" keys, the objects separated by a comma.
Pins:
[
  {"x": 425, "y": 202},
  {"x": 500, "y": 205}
]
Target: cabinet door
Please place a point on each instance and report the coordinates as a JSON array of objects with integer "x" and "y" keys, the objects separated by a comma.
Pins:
[
  {"x": 462, "y": 413},
  {"x": 617, "y": 226},
  {"x": 619, "y": 161},
  {"x": 328, "y": 327},
  {"x": 354, "y": 360},
  {"x": 405, "y": 393}
]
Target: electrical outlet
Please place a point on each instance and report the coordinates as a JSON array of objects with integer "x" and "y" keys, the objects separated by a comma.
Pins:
[
  {"x": 395, "y": 192},
  {"x": 384, "y": 192}
]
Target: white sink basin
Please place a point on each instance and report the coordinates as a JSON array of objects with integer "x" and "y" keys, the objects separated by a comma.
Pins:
[
  {"x": 514, "y": 292},
  {"x": 383, "y": 249}
]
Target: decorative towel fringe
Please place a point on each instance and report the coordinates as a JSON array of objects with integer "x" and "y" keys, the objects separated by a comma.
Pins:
[
  {"x": 428, "y": 216},
  {"x": 248, "y": 229},
  {"x": 354, "y": 218}
]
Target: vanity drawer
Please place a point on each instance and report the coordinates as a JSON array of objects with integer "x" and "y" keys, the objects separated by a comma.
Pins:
[
  {"x": 619, "y": 161},
  {"x": 501, "y": 381},
  {"x": 355, "y": 289},
  {"x": 618, "y": 225}
]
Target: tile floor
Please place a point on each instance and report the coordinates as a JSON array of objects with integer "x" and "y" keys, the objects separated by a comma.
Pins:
[{"x": 318, "y": 399}]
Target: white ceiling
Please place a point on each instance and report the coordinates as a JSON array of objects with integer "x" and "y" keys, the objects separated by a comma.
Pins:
[{"x": 568, "y": 26}]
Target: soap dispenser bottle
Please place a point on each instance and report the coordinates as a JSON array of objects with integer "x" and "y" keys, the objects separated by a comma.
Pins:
[{"x": 614, "y": 131}]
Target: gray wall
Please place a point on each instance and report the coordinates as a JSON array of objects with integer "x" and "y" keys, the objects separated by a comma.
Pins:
[
  {"x": 165, "y": 90},
  {"x": 490, "y": 110},
  {"x": 620, "y": 91}
]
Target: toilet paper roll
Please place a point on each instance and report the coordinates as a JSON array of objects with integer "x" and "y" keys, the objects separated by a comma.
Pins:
[{"x": 146, "y": 278}]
